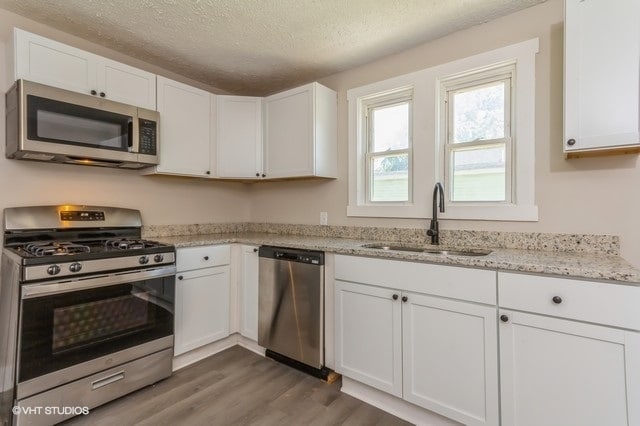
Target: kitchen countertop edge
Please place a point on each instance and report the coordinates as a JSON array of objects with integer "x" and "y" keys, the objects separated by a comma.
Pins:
[{"x": 562, "y": 264}]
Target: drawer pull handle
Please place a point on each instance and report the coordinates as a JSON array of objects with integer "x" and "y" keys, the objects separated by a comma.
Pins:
[
  {"x": 107, "y": 380},
  {"x": 394, "y": 297},
  {"x": 504, "y": 318},
  {"x": 557, "y": 300},
  {"x": 206, "y": 258}
]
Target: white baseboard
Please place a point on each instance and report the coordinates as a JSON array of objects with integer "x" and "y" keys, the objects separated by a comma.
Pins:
[
  {"x": 205, "y": 351},
  {"x": 252, "y": 345},
  {"x": 394, "y": 405}
]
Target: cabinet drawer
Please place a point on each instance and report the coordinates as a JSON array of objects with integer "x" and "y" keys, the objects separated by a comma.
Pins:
[
  {"x": 475, "y": 285},
  {"x": 202, "y": 257},
  {"x": 598, "y": 302}
]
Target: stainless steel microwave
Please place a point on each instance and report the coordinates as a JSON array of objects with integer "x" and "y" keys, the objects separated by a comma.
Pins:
[{"x": 49, "y": 124}]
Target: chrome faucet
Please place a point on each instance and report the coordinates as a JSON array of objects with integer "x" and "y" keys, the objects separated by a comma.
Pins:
[{"x": 433, "y": 230}]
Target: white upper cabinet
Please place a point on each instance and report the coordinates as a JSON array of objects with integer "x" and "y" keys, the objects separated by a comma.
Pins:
[
  {"x": 46, "y": 61},
  {"x": 601, "y": 76},
  {"x": 185, "y": 118},
  {"x": 301, "y": 133},
  {"x": 239, "y": 137}
]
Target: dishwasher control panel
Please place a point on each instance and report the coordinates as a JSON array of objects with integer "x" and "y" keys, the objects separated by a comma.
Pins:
[{"x": 293, "y": 255}]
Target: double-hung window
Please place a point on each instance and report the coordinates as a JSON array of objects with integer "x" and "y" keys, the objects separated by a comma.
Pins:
[
  {"x": 388, "y": 159},
  {"x": 478, "y": 146}
]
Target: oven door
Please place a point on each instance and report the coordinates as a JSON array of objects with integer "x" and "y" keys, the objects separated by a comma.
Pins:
[{"x": 92, "y": 323}]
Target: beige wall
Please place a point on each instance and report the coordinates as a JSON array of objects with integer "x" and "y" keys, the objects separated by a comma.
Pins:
[
  {"x": 162, "y": 200},
  {"x": 598, "y": 195}
]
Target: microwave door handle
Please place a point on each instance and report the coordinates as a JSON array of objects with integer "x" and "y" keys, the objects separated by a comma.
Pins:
[
  {"x": 130, "y": 135},
  {"x": 134, "y": 135}
]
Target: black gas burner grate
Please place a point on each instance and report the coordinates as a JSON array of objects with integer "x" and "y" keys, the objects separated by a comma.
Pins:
[
  {"x": 55, "y": 248},
  {"x": 128, "y": 244}
]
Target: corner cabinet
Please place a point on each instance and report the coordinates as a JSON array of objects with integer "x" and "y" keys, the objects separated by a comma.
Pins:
[
  {"x": 601, "y": 77},
  {"x": 574, "y": 357},
  {"x": 46, "y": 61},
  {"x": 398, "y": 329},
  {"x": 202, "y": 296},
  {"x": 300, "y": 136},
  {"x": 185, "y": 121},
  {"x": 239, "y": 137}
]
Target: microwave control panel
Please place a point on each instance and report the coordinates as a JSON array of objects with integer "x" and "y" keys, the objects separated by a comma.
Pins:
[{"x": 148, "y": 137}]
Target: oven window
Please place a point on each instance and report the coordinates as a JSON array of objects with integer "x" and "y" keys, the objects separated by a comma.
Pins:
[
  {"x": 59, "y": 331},
  {"x": 61, "y": 122},
  {"x": 87, "y": 323}
]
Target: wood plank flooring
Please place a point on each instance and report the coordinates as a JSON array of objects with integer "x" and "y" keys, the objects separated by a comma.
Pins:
[{"x": 238, "y": 387}]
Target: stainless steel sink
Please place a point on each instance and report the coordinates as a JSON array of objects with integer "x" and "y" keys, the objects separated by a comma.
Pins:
[{"x": 430, "y": 250}]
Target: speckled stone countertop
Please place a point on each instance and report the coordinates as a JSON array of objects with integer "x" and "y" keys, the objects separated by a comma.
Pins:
[{"x": 596, "y": 266}]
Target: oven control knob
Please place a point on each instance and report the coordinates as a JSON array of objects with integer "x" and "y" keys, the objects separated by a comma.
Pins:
[
  {"x": 158, "y": 258},
  {"x": 53, "y": 270},
  {"x": 75, "y": 267},
  {"x": 143, "y": 260}
]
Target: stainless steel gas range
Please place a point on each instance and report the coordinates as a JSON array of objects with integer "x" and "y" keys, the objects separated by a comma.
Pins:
[{"x": 86, "y": 310}]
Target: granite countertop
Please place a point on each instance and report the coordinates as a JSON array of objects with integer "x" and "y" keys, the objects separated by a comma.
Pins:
[{"x": 567, "y": 264}]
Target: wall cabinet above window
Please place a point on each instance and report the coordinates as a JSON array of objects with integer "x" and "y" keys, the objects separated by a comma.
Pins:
[
  {"x": 46, "y": 61},
  {"x": 601, "y": 77}
]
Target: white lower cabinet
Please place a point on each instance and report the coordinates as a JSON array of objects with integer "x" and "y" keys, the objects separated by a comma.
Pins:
[
  {"x": 249, "y": 292},
  {"x": 567, "y": 373},
  {"x": 450, "y": 358},
  {"x": 562, "y": 371},
  {"x": 368, "y": 335},
  {"x": 435, "y": 352},
  {"x": 202, "y": 300}
]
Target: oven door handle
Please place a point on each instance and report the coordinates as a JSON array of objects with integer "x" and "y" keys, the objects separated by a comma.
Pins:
[{"x": 30, "y": 291}]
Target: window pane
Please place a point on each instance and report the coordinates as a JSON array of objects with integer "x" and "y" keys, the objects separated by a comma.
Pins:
[
  {"x": 390, "y": 178},
  {"x": 479, "y": 174},
  {"x": 479, "y": 113},
  {"x": 390, "y": 128}
]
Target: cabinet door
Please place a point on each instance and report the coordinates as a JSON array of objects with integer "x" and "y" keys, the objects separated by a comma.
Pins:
[
  {"x": 602, "y": 74},
  {"x": 249, "y": 293},
  {"x": 184, "y": 128},
  {"x": 239, "y": 138},
  {"x": 202, "y": 308},
  {"x": 450, "y": 358},
  {"x": 563, "y": 372},
  {"x": 129, "y": 85},
  {"x": 368, "y": 334},
  {"x": 48, "y": 62},
  {"x": 289, "y": 133}
]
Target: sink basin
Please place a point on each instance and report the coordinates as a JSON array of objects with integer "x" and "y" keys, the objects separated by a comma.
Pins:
[{"x": 430, "y": 250}]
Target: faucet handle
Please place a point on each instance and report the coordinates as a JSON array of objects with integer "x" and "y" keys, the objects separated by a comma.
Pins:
[{"x": 432, "y": 232}]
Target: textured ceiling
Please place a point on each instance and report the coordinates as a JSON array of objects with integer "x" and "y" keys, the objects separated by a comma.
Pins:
[{"x": 261, "y": 46}]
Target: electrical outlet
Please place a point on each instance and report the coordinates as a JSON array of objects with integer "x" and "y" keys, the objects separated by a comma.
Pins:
[{"x": 324, "y": 218}]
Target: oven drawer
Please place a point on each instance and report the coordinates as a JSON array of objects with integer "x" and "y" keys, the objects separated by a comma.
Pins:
[
  {"x": 596, "y": 302},
  {"x": 95, "y": 390},
  {"x": 190, "y": 258}
]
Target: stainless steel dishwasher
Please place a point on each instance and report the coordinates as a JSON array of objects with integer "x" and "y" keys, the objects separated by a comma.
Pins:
[{"x": 291, "y": 307}]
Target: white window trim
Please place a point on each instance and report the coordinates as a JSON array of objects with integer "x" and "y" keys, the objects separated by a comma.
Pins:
[{"x": 426, "y": 131}]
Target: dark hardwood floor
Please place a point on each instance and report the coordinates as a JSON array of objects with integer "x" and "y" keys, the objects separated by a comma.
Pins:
[{"x": 238, "y": 387}]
